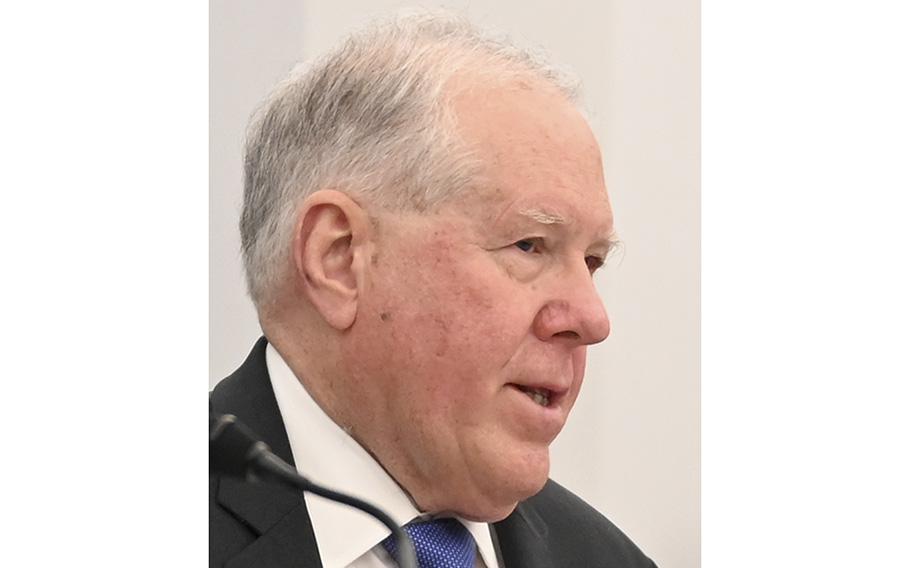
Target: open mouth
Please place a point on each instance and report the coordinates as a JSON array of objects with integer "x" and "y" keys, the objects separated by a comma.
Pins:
[{"x": 540, "y": 396}]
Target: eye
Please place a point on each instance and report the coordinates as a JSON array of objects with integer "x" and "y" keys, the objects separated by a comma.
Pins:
[
  {"x": 593, "y": 262},
  {"x": 528, "y": 245}
]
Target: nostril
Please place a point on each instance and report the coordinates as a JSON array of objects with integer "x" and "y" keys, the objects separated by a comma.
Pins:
[{"x": 568, "y": 335}]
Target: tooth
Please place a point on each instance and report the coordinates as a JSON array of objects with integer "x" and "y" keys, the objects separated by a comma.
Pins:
[{"x": 540, "y": 396}]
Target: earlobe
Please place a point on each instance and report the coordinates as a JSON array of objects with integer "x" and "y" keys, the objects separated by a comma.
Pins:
[{"x": 327, "y": 255}]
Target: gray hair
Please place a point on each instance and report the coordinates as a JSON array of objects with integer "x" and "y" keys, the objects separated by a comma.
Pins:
[{"x": 372, "y": 119}]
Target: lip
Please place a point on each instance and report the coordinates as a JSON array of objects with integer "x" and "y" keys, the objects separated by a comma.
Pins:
[
  {"x": 558, "y": 391},
  {"x": 537, "y": 422}
]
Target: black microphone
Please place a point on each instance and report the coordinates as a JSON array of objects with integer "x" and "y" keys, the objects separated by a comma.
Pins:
[{"x": 235, "y": 451}]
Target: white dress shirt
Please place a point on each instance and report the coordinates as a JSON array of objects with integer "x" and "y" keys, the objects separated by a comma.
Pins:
[{"x": 326, "y": 454}]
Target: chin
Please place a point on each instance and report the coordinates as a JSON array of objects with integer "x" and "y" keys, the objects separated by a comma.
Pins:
[
  {"x": 530, "y": 472},
  {"x": 505, "y": 486},
  {"x": 495, "y": 510}
]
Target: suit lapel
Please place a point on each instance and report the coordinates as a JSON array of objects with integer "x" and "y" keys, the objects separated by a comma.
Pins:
[
  {"x": 289, "y": 543},
  {"x": 278, "y": 515}
]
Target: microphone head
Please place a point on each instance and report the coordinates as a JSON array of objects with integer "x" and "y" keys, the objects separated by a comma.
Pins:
[{"x": 231, "y": 446}]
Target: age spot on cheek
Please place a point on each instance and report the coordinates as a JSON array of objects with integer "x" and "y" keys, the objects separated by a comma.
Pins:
[{"x": 385, "y": 316}]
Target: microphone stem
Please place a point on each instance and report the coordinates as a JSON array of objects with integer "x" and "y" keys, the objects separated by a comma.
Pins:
[{"x": 268, "y": 465}]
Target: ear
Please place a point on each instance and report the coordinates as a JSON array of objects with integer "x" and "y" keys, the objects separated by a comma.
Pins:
[{"x": 330, "y": 243}]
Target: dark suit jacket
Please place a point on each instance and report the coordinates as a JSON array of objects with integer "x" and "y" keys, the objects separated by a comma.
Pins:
[{"x": 268, "y": 527}]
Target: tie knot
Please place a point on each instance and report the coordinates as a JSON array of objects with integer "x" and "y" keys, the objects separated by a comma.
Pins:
[{"x": 443, "y": 543}]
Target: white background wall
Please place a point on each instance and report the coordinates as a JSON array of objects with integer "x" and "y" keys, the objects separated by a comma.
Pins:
[{"x": 631, "y": 447}]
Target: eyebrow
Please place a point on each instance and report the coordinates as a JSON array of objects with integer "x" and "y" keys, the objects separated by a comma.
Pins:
[
  {"x": 546, "y": 217},
  {"x": 543, "y": 216}
]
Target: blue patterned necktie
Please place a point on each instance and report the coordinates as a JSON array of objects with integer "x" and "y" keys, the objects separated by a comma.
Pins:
[{"x": 444, "y": 543}]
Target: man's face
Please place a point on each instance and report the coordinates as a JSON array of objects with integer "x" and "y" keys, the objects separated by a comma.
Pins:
[{"x": 471, "y": 333}]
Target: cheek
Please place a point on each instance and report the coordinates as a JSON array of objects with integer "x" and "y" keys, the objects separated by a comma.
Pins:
[
  {"x": 456, "y": 308},
  {"x": 484, "y": 323},
  {"x": 459, "y": 354},
  {"x": 454, "y": 316}
]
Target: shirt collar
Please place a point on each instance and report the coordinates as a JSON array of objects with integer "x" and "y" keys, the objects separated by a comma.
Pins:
[{"x": 327, "y": 455}]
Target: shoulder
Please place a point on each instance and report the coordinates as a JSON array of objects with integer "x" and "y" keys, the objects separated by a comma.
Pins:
[
  {"x": 250, "y": 379},
  {"x": 574, "y": 533}
]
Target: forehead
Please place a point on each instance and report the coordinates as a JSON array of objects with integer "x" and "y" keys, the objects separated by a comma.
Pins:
[{"x": 540, "y": 161}]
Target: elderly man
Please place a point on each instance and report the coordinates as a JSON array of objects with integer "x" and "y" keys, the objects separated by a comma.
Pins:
[{"x": 424, "y": 209}]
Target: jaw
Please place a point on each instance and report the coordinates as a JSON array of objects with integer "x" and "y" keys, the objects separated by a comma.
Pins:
[
  {"x": 485, "y": 484},
  {"x": 501, "y": 497}
]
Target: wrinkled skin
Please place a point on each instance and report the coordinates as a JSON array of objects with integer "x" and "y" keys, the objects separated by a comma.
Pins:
[{"x": 461, "y": 304}]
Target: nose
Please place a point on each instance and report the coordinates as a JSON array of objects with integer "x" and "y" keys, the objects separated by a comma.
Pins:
[{"x": 576, "y": 313}]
